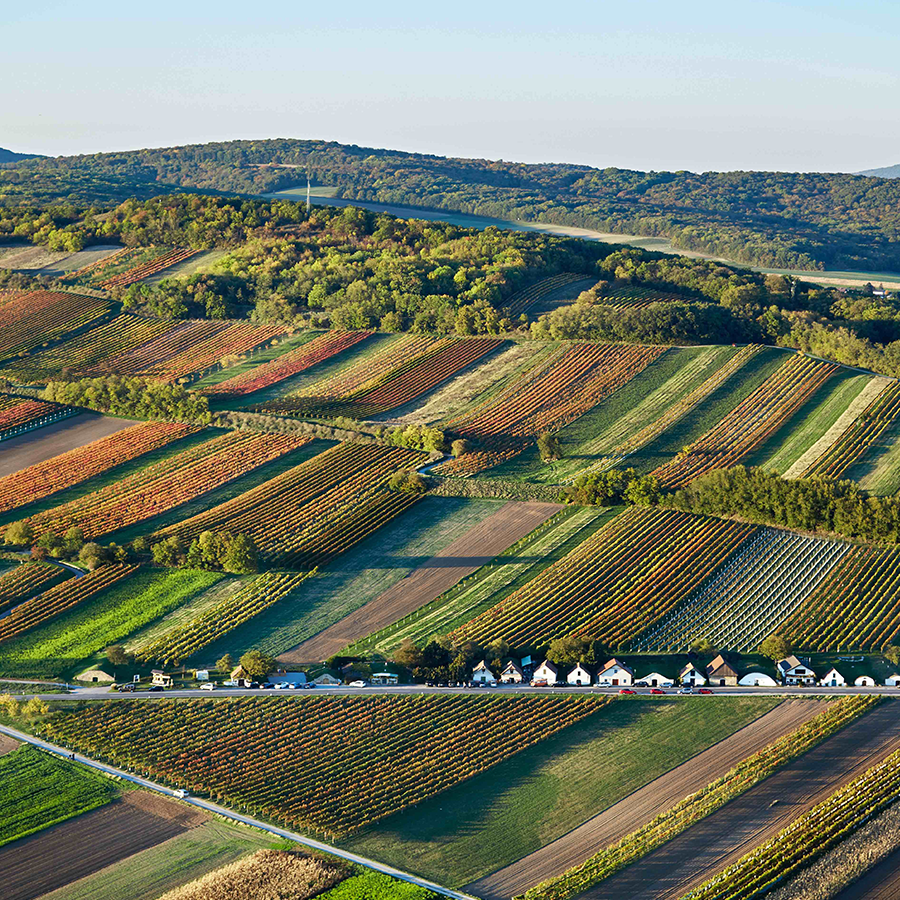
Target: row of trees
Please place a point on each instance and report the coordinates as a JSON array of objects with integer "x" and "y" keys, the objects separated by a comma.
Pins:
[{"x": 217, "y": 551}]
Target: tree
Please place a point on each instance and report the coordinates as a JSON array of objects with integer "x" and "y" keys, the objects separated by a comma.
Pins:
[
  {"x": 256, "y": 664},
  {"x": 225, "y": 664},
  {"x": 892, "y": 654},
  {"x": 704, "y": 645},
  {"x": 73, "y": 540},
  {"x": 169, "y": 552},
  {"x": 9, "y": 706},
  {"x": 19, "y": 534},
  {"x": 549, "y": 447},
  {"x": 408, "y": 654},
  {"x": 460, "y": 446},
  {"x": 242, "y": 557},
  {"x": 92, "y": 555},
  {"x": 775, "y": 647},
  {"x": 118, "y": 655},
  {"x": 35, "y": 708},
  {"x": 569, "y": 650}
]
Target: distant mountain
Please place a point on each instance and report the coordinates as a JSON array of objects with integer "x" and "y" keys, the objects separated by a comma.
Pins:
[
  {"x": 886, "y": 172},
  {"x": 8, "y": 156}
]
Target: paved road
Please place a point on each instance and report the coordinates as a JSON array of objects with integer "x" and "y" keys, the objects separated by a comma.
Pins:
[{"x": 237, "y": 817}]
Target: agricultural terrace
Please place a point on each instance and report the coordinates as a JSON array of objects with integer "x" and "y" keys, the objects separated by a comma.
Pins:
[
  {"x": 128, "y": 266},
  {"x": 18, "y": 416},
  {"x": 26, "y": 580},
  {"x": 614, "y": 585},
  {"x": 166, "y": 484},
  {"x": 315, "y": 510},
  {"x": 572, "y": 379},
  {"x": 635, "y": 296},
  {"x": 548, "y": 293},
  {"x": 375, "y": 754}
]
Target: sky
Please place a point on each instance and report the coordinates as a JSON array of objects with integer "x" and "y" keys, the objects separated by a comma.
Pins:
[{"x": 791, "y": 86}]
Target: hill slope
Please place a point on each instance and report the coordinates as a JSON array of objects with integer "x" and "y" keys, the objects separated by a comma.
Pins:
[
  {"x": 884, "y": 172},
  {"x": 8, "y": 156}
]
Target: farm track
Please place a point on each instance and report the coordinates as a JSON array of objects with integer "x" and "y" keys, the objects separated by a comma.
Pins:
[
  {"x": 641, "y": 806},
  {"x": 723, "y": 837},
  {"x": 881, "y": 882},
  {"x": 464, "y": 556},
  {"x": 87, "y": 843}
]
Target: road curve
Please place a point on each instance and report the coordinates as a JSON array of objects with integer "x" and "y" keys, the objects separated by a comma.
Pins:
[{"x": 237, "y": 817}]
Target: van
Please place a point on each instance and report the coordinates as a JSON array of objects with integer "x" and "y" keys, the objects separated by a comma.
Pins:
[{"x": 181, "y": 793}]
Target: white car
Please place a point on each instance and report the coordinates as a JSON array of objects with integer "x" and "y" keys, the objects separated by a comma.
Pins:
[
  {"x": 687, "y": 689},
  {"x": 282, "y": 686},
  {"x": 357, "y": 684},
  {"x": 208, "y": 686}
]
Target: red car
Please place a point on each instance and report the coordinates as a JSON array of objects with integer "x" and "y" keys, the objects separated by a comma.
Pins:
[
  {"x": 657, "y": 691},
  {"x": 704, "y": 691},
  {"x": 626, "y": 691}
]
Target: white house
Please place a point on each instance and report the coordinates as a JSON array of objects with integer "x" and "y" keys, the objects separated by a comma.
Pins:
[
  {"x": 757, "y": 679},
  {"x": 160, "y": 678},
  {"x": 482, "y": 674},
  {"x": 792, "y": 671},
  {"x": 864, "y": 681},
  {"x": 654, "y": 679},
  {"x": 545, "y": 673},
  {"x": 385, "y": 678},
  {"x": 614, "y": 674},
  {"x": 833, "y": 678},
  {"x": 579, "y": 676},
  {"x": 892, "y": 680},
  {"x": 512, "y": 673},
  {"x": 691, "y": 675}
]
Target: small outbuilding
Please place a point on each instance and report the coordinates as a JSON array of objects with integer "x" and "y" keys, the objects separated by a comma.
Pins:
[
  {"x": 792, "y": 671},
  {"x": 482, "y": 674},
  {"x": 95, "y": 676},
  {"x": 579, "y": 676},
  {"x": 690, "y": 675},
  {"x": 326, "y": 679},
  {"x": 654, "y": 679},
  {"x": 385, "y": 678},
  {"x": 545, "y": 673},
  {"x": 892, "y": 680},
  {"x": 160, "y": 678},
  {"x": 202, "y": 674},
  {"x": 833, "y": 678},
  {"x": 720, "y": 673},
  {"x": 512, "y": 673},
  {"x": 864, "y": 681},
  {"x": 615, "y": 674},
  {"x": 757, "y": 679}
]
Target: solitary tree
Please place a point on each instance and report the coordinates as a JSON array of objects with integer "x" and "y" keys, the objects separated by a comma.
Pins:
[
  {"x": 892, "y": 654},
  {"x": 549, "y": 447},
  {"x": 775, "y": 647},
  {"x": 18, "y": 533},
  {"x": 256, "y": 664},
  {"x": 704, "y": 645},
  {"x": 118, "y": 655},
  {"x": 225, "y": 664},
  {"x": 241, "y": 558}
]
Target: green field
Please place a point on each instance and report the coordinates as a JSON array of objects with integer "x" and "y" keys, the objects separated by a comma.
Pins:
[
  {"x": 150, "y": 873},
  {"x": 357, "y": 577},
  {"x": 63, "y": 647},
  {"x": 878, "y": 470},
  {"x": 526, "y": 802},
  {"x": 491, "y": 583},
  {"x": 38, "y": 790}
]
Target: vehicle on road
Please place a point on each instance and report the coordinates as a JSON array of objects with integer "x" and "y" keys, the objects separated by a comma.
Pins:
[
  {"x": 208, "y": 686},
  {"x": 357, "y": 683},
  {"x": 156, "y": 688},
  {"x": 626, "y": 691},
  {"x": 657, "y": 691},
  {"x": 687, "y": 689},
  {"x": 704, "y": 691}
]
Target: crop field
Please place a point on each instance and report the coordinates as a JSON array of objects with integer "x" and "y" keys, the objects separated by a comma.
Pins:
[
  {"x": 36, "y": 318},
  {"x": 127, "y": 266},
  {"x": 547, "y": 397},
  {"x": 314, "y": 509},
  {"x": 375, "y": 754},
  {"x": 166, "y": 484},
  {"x": 76, "y": 466},
  {"x": 547, "y": 293},
  {"x": 407, "y": 379},
  {"x": 751, "y": 422},
  {"x": 26, "y": 580},
  {"x": 38, "y": 790},
  {"x": 635, "y": 296},
  {"x": 762, "y": 584},
  {"x": 293, "y": 362},
  {"x": 18, "y": 416},
  {"x": 616, "y": 584}
]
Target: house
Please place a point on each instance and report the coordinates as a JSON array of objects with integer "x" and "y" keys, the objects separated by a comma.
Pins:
[
  {"x": 833, "y": 678},
  {"x": 792, "y": 671},
  {"x": 512, "y": 673},
  {"x": 758, "y": 679},
  {"x": 892, "y": 680},
  {"x": 385, "y": 678},
  {"x": 615, "y": 674},
  {"x": 482, "y": 674},
  {"x": 864, "y": 681},
  {"x": 691, "y": 675},
  {"x": 654, "y": 679},
  {"x": 720, "y": 673},
  {"x": 160, "y": 678},
  {"x": 579, "y": 676},
  {"x": 237, "y": 673},
  {"x": 545, "y": 673},
  {"x": 327, "y": 679}
]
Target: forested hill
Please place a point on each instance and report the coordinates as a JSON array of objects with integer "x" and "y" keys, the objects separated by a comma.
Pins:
[
  {"x": 768, "y": 218},
  {"x": 8, "y": 156},
  {"x": 886, "y": 172}
]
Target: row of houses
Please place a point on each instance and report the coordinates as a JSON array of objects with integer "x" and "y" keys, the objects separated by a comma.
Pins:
[{"x": 792, "y": 670}]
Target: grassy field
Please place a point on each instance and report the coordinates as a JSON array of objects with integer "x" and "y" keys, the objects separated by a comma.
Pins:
[
  {"x": 491, "y": 583},
  {"x": 524, "y": 803},
  {"x": 63, "y": 647},
  {"x": 785, "y": 446},
  {"x": 204, "y": 261},
  {"x": 878, "y": 470},
  {"x": 38, "y": 790},
  {"x": 357, "y": 577},
  {"x": 150, "y": 873}
]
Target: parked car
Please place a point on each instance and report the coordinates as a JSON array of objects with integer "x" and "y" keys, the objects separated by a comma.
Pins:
[
  {"x": 156, "y": 688},
  {"x": 657, "y": 691},
  {"x": 181, "y": 793},
  {"x": 641, "y": 684},
  {"x": 704, "y": 691},
  {"x": 208, "y": 686},
  {"x": 281, "y": 686},
  {"x": 127, "y": 688},
  {"x": 357, "y": 683},
  {"x": 268, "y": 686},
  {"x": 687, "y": 689},
  {"x": 626, "y": 691}
]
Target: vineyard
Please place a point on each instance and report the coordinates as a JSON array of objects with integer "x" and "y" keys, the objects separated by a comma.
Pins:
[
  {"x": 58, "y": 599},
  {"x": 128, "y": 266},
  {"x": 616, "y": 584},
  {"x": 182, "y": 641},
  {"x": 292, "y": 363},
  {"x": 39, "y": 317},
  {"x": 26, "y": 580},
  {"x": 544, "y": 291},
  {"x": 856, "y": 607},
  {"x": 166, "y": 484},
  {"x": 751, "y": 422},
  {"x": 545, "y": 398},
  {"x": 406, "y": 380},
  {"x": 634, "y": 296},
  {"x": 315, "y": 510},
  {"x": 78, "y": 465},
  {"x": 375, "y": 755},
  {"x": 18, "y": 415},
  {"x": 769, "y": 577}
]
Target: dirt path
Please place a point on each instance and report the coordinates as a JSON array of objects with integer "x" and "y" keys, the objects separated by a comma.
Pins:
[
  {"x": 723, "y": 837},
  {"x": 881, "y": 882},
  {"x": 90, "y": 842},
  {"x": 479, "y": 545},
  {"x": 634, "y": 810},
  {"x": 43, "y": 443},
  {"x": 8, "y": 744}
]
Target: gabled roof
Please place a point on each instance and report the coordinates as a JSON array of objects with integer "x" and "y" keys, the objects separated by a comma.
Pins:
[
  {"x": 578, "y": 666},
  {"x": 790, "y": 662},
  {"x": 482, "y": 666},
  {"x": 657, "y": 676},
  {"x": 832, "y": 671},
  {"x": 687, "y": 669},
  {"x": 614, "y": 662},
  {"x": 513, "y": 666},
  {"x": 720, "y": 666},
  {"x": 546, "y": 663}
]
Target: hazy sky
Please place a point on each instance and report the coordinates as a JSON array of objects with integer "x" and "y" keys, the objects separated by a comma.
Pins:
[{"x": 802, "y": 85}]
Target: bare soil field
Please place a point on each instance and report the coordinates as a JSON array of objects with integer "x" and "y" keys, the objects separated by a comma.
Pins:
[
  {"x": 90, "y": 842},
  {"x": 723, "y": 837},
  {"x": 51, "y": 440},
  {"x": 7, "y": 744},
  {"x": 640, "y": 807},
  {"x": 478, "y": 546},
  {"x": 52, "y": 262},
  {"x": 881, "y": 882}
]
